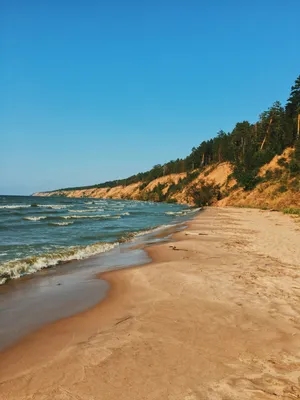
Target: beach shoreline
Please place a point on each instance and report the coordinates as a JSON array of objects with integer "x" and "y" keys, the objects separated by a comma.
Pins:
[
  {"x": 214, "y": 315},
  {"x": 62, "y": 291}
]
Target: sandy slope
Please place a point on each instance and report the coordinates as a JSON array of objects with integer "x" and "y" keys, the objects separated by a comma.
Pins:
[
  {"x": 215, "y": 317},
  {"x": 281, "y": 189}
]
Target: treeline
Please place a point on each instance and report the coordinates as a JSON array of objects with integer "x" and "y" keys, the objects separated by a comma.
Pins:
[{"x": 247, "y": 147}]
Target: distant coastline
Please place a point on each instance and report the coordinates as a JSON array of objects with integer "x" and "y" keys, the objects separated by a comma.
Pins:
[{"x": 276, "y": 187}]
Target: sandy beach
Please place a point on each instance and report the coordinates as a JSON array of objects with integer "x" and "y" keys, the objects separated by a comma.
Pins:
[{"x": 215, "y": 315}]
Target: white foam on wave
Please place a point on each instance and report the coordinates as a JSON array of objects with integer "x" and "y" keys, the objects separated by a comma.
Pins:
[
  {"x": 53, "y": 206},
  {"x": 183, "y": 212},
  {"x": 74, "y": 216},
  {"x": 96, "y": 202},
  {"x": 192, "y": 210},
  {"x": 61, "y": 223},
  {"x": 16, "y": 268},
  {"x": 91, "y": 209},
  {"x": 90, "y": 216},
  {"x": 179, "y": 213},
  {"x": 155, "y": 229},
  {"x": 15, "y": 206},
  {"x": 35, "y": 218}
]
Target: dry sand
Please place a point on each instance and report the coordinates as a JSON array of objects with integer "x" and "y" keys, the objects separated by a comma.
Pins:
[{"x": 215, "y": 317}]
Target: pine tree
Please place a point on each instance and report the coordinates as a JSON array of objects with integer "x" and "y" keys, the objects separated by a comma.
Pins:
[
  {"x": 293, "y": 108},
  {"x": 273, "y": 128},
  {"x": 293, "y": 103}
]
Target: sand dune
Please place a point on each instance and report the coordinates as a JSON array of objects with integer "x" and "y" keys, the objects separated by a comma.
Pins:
[{"x": 214, "y": 316}]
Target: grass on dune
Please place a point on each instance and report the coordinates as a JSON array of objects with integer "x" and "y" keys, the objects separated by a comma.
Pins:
[{"x": 291, "y": 210}]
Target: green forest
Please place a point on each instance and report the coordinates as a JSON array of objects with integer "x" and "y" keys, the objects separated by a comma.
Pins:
[{"x": 247, "y": 147}]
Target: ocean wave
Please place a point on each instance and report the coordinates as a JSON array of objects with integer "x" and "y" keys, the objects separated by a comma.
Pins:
[
  {"x": 33, "y": 205},
  {"x": 35, "y": 218},
  {"x": 178, "y": 213},
  {"x": 53, "y": 206},
  {"x": 60, "y": 223},
  {"x": 138, "y": 212},
  {"x": 129, "y": 236},
  {"x": 91, "y": 209},
  {"x": 192, "y": 210},
  {"x": 16, "y": 268},
  {"x": 74, "y": 216},
  {"x": 104, "y": 216},
  {"x": 154, "y": 229},
  {"x": 15, "y": 206},
  {"x": 183, "y": 212},
  {"x": 96, "y": 202}
]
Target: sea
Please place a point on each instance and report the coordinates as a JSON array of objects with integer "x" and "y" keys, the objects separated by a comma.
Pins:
[{"x": 40, "y": 232}]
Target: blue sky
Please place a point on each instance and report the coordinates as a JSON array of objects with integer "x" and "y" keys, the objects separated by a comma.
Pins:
[{"x": 99, "y": 90}]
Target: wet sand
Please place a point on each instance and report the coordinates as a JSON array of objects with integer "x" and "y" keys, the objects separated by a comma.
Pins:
[
  {"x": 28, "y": 303},
  {"x": 214, "y": 316},
  {"x": 50, "y": 294}
]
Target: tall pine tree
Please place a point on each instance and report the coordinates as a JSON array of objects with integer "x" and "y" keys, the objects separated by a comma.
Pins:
[{"x": 293, "y": 107}]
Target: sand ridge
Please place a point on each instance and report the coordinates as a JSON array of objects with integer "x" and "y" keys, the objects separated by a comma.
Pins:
[{"x": 214, "y": 316}]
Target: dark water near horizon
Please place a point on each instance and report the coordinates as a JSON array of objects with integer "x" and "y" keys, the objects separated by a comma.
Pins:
[{"x": 40, "y": 232}]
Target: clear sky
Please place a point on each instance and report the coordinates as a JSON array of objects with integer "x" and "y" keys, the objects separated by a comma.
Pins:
[{"x": 98, "y": 90}]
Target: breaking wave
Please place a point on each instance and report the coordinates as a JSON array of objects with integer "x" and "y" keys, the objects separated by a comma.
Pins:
[
  {"x": 15, "y": 206},
  {"x": 128, "y": 236},
  {"x": 16, "y": 268},
  {"x": 52, "y": 206},
  {"x": 183, "y": 212},
  {"x": 74, "y": 216},
  {"x": 154, "y": 229},
  {"x": 114, "y": 222},
  {"x": 35, "y": 218},
  {"x": 95, "y": 202},
  {"x": 60, "y": 223},
  {"x": 91, "y": 209},
  {"x": 104, "y": 216}
]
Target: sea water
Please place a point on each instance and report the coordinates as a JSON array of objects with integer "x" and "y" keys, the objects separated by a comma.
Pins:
[{"x": 40, "y": 232}]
